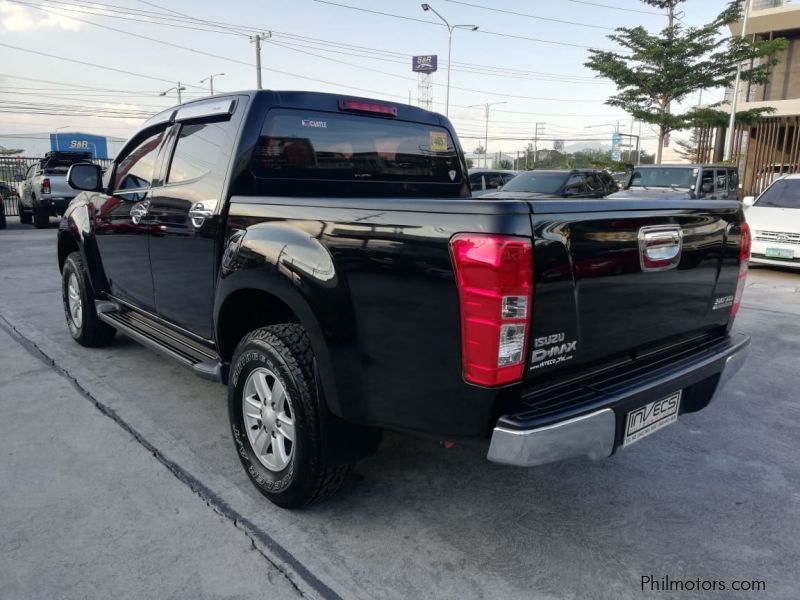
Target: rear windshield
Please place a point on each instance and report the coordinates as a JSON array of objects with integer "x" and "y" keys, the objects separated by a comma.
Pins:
[
  {"x": 542, "y": 183},
  {"x": 355, "y": 155},
  {"x": 671, "y": 177}
]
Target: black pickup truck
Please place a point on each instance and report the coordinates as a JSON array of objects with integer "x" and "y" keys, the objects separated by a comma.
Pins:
[{"x": 323, "y": 257}]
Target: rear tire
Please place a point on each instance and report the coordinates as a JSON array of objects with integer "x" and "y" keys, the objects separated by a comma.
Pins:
[
  {"x": 25, "y": 217},
  {"x": 41, "y": 220},
  {"x": 82, "y": 320},
  {"x": 272, "y": 397},
  {"x": 2, "y": 215}
]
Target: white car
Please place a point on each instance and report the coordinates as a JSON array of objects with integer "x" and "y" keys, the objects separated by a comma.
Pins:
[{"x": 774, "y": 219}]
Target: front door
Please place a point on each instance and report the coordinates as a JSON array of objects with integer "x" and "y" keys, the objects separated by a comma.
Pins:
[
  {"x": 185, "y": 218},
  {"x": 121, "y": 223}
]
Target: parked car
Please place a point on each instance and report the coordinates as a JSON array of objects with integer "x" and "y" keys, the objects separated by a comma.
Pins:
[
  {"x": 558, "y": 183},
  {"x": 715, "y": 182},
  {"x": 487, "y": 180},
  {"x": 7, "y": 194},
  {"x": 322, "y": 256},
  {"x": 44, "y": 192},
  {"x": 774, "y": 219}
]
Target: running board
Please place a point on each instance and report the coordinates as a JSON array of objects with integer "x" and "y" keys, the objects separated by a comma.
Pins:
[{"x": 202, "y": 360}]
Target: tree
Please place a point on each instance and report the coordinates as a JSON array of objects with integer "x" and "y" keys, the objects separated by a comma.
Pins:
[
  {"x": 480, "y": 150},
  {"x": 504, "y": 164},
  {"x": 652, "y": 71},
  {"x": 470, "y": 163}
]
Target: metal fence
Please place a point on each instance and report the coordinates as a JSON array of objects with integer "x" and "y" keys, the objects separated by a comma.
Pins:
[{"x": 12, "y": 173}]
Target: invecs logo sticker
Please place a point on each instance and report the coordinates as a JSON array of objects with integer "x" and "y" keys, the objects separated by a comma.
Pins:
[{"x": 312, "y": 123}]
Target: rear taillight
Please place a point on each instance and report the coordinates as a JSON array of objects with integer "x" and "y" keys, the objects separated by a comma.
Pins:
[
  {"x": 744, "y": 257},
  {"x": 494, "y": 274},
  {"x": 45, "y": 186}
]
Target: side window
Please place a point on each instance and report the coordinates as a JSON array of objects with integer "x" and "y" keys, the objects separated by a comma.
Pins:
[
  {"x": 476, "y": 182},
  {"x": 200, "y": 149},
  {"x": 707, "y": 182},
  {"x": 508, "y": 177},
  {"x": 493, "y": 181},
  {"x": 721, "y": 181},
  {"x": 576, "y": 185},
  {"x": 595, "y": 187},
  {"x": 733, "y": 181},
  {"x": 135, "y": 170}
]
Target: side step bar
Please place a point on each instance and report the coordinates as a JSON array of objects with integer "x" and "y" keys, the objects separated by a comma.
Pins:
[{"x": 202, "y": 360}]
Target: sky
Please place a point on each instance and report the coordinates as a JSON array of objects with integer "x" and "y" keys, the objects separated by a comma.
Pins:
[{"x": 121, "y": 54}]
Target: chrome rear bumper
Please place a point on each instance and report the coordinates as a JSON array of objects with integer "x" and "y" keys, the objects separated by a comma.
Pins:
[{"x": 593, "y": 434}]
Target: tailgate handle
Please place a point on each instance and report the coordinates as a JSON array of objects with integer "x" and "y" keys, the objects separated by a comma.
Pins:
[{"x": 660, "y": 247}]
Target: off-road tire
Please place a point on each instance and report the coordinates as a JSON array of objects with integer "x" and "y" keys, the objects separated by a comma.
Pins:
[
  {"x": 2, "y": 215},
  {"x": 25, "y": 217},
  {"x": 284, "y": 350},
  {"x": 91, "y": 331},
  {"x": 41, "y": 220}
]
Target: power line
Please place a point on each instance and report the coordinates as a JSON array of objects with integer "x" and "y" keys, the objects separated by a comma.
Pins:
[
  {"x": 88, "y": 64},
  {"x": 528, "y": 15},
  {"x": 484, "y": 31}
]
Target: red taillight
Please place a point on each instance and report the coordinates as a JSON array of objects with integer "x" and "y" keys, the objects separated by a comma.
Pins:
[
  {"x": 45, "y": 186},
  {"x": 744, "y": 257},
  {"x": 494, "y": 274},
  {"x": 370, "y": 107}
]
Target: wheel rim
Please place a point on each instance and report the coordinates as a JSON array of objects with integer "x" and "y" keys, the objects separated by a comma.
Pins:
[
  {"x": 74, "y": 302},
  {"x": 268, "y": 418}
]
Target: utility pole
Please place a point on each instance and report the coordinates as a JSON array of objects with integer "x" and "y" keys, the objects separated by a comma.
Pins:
[
  {"x": 257, "y": 39},
  {"x": 210, "y": 80},
  {"x": 538, "y": 131},
  {"x": 732, "y": 120},
  {"x": 486, "y": 107}
]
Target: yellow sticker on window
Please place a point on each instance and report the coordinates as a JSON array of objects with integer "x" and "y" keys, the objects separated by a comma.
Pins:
[{"x": 438, "y": 141}]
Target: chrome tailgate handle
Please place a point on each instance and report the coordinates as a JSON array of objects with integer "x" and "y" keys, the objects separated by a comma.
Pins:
[
  {"x": 199, "y": 213},
  {"x": 660, "y": 247}
]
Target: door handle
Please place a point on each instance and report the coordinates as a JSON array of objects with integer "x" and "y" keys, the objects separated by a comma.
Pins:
[
  {"x": 139, "y": 211},
  {"x": 199, "y": 213}
]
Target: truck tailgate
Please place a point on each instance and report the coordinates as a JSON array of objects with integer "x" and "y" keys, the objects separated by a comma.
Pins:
[{"x": 606, "y": 289}]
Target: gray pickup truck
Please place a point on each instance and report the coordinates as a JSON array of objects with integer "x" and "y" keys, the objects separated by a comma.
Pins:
[{"x": 44, "y": 192}]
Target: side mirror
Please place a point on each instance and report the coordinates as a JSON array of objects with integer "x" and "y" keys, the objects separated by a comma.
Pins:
[
  {"x": 500, "y": 188},
  {"x": 748, "y": 201},
  {"x": 84, "y": 176},
  {"x": 708, "y": 188}
]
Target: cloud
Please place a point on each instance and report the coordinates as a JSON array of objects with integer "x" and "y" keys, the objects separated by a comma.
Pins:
[{"x": 14, "y": 17}]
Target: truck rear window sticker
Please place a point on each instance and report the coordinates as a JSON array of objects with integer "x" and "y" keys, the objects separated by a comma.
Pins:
[
  {"x": 314, "y": 123},
  {"x": 438, "y": 141}
]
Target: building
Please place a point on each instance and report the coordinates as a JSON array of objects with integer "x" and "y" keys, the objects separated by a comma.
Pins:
[{"x": 773, "y": 145}]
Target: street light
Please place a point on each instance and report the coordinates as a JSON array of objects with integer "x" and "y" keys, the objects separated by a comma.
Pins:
[
  {"x": 179, "y": 88},
  {"x": 210, "y": 80},
  {"x": 450, "y": 28},
  {"x": 614, "y": 125},
  {"x": 486, "y": 107}
]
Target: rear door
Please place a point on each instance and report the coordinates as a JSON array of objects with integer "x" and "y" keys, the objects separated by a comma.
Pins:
[
  {"x": 614, "y": 284},
  {"x": 184, "y": 213}
]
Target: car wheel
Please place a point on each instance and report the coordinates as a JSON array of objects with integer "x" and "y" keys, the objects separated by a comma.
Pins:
[
  {"x": 82, "y": 320},
  {"x": 25, "y": 216},
  {"x": 41, "y": 219},
  {"x": 2, "y": 214},
  {"x": 275, "y": 419}
]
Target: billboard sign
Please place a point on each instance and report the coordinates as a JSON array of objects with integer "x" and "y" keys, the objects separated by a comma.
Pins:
[
  {"x": 79, "y": 142},
  {"x": 424, "y": 64},
  {"x": 616, "y": 143}
]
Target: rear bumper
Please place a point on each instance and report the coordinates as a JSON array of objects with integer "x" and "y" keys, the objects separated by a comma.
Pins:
[
  {"x": 595, "y": 427},
  {"x": 53, "y": 205}
]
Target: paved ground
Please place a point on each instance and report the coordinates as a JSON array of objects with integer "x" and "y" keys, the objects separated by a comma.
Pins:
[{"x": 127, "y": 481}]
